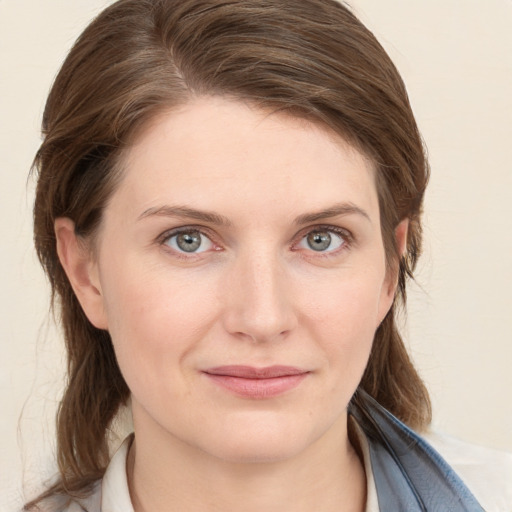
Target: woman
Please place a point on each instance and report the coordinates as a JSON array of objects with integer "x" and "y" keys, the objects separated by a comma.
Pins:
[{"x": 228, "y": 207}]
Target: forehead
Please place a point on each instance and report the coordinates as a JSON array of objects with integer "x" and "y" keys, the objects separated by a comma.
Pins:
[{"x": 213, "y": 148}]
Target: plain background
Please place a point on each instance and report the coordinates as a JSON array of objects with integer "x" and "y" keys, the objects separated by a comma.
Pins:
[{"x": 456, "y": 59}]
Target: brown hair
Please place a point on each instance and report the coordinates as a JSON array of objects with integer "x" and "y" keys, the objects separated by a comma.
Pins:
[{"x": 308, "y": 58}]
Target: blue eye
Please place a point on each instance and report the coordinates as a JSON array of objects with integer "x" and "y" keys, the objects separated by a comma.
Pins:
[
  {"x": 189, "y": 242},
  {"x": 322, "y": 240}
]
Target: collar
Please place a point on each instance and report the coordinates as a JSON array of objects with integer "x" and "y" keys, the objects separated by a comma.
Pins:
[
  {"x": 409, "y": 474},
  {"x": 115, "y": 494}
]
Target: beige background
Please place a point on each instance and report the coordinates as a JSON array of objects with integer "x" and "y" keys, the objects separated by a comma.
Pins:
[{"x": 456, "y": 58}]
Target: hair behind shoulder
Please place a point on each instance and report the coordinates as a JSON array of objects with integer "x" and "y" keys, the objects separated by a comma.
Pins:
[{"x": 311, "y": 59}]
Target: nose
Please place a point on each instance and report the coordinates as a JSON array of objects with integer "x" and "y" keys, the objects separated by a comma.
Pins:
[{"x": 259, "y": 304}]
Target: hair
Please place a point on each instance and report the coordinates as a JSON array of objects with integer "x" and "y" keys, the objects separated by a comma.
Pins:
[{"x": 311, "y": 59}]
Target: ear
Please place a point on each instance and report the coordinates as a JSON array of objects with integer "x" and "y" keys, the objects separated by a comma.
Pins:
[
  {"x": 391, "y": 281},
  {"x": 401, "y": 237},
  {"x": 81, "y": 270}
]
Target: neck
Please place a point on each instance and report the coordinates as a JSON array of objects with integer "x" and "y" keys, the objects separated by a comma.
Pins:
[{"x": 167, "y": 475}]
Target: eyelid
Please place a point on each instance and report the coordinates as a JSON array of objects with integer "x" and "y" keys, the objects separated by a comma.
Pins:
[
  {"x": 166, "y": 235},
  {"x": 337, "y": 230},
  {"x": 346, "y": 234}
]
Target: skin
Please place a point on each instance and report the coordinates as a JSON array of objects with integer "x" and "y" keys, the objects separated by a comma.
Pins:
[{"x": 255, "y": 294}]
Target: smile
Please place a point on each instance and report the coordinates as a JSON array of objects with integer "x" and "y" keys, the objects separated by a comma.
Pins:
[{"x": 257, "y": 383}]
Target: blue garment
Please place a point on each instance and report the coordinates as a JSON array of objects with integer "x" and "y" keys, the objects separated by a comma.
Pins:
[{"x": 410, "y": 476}]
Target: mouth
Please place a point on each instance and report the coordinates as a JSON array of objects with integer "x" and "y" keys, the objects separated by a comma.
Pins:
[{"x": 257, "y": 383}]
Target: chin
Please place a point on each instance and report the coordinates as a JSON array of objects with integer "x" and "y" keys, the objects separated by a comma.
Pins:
[
  {"x": 263, "y": 441},
  {"x": 260, "y": 451}
]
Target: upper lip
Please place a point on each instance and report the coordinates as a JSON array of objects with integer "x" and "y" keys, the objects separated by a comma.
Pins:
[{"x": 251, "y": 372}]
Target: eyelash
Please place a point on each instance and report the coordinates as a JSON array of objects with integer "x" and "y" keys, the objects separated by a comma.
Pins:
[
  {"x": 167, "y": 235},
  {"x": 346, "y": 235}
]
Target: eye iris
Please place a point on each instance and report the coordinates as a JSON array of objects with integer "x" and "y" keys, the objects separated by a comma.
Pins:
[
  {"x": 189, "y": 242},
  {"x": 319, "y": 241}
]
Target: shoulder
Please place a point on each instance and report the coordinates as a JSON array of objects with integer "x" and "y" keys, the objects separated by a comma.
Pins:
[
  {"x": 431, "y": 471},
  {"x": 110, "y": 493},
  {"x": 91, "y": 503},
  {"x": 486, "y": 472}
]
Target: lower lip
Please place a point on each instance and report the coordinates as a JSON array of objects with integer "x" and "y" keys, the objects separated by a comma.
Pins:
[{"x": 258, "y": 388}]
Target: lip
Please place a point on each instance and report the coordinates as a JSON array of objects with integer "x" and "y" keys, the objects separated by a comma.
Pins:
[{"x": 257, "y": 383}]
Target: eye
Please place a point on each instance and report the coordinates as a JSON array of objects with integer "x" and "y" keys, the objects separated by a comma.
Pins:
[
  {"x": 190, "y": 241},
  {"x": 322, "y": 240}
]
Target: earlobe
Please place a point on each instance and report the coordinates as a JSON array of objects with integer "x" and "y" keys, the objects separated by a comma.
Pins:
[{"x": 81, "y": 270}]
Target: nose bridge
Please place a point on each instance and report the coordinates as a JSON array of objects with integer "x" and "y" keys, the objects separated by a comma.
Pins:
[{"x": 260, "y": 305}]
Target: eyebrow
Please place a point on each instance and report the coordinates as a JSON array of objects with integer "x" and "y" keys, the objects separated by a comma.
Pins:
[
  {"x": 340, "y": 209},
  {"x": 184, "y": 211}
]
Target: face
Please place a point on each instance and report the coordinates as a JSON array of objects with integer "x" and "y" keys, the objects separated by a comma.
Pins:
[{"x": 241, "y": 273}]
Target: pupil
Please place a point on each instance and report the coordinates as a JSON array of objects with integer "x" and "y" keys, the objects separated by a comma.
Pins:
[
  {"x": 319, "y": 241},
  {"x": 189, "y": 242}
]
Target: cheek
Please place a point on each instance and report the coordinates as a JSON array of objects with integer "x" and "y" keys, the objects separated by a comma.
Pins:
[
  {"x": 155, "y": 320},
  {"x": 348, "y": 303},
  {"x": 344, "y": 316}
]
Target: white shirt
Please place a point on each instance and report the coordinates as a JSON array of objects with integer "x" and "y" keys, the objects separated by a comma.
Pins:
[{"x": 487, "y": 473}]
